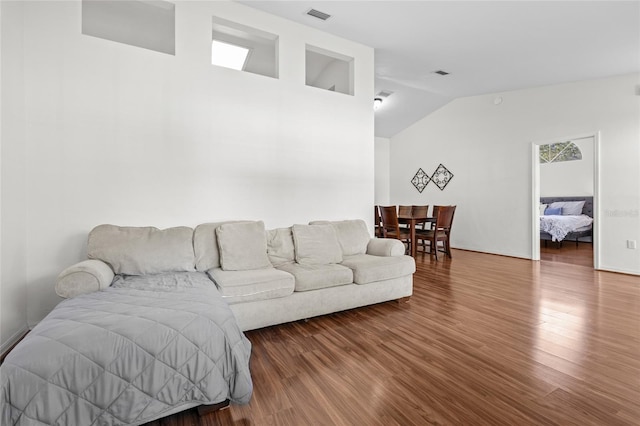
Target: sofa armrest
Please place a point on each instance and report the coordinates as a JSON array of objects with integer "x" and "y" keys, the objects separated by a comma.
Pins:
[
  {"x": 84, "y": 277},
  {"x": 385, "y": 247}
]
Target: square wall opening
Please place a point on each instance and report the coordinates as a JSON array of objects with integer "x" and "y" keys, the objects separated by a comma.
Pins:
[
  {"x": 244, "y": 48},
  {"x": 328, "y": 70}
]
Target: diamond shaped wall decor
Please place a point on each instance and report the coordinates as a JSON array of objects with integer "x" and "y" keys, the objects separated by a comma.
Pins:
[
  {"x": 441, "y": 177},
  {"x": 420, "y": 180}
]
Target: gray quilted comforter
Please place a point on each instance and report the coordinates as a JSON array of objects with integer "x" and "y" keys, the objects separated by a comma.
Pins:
[{"x": 129, "y": 354}]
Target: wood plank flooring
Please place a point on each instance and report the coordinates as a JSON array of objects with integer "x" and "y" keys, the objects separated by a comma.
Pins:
[
  {"x": 582, "y": 254},
  {"x": 485, "y": 340}
]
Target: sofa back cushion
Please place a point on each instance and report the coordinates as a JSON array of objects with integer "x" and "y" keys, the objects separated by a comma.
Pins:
[
  {"x": 316, "y": 244},
  {"x": 280, "y": 246},
  {"x": 205, "y": 245},
  {"x": 353, "y": 235},
  {"x": 242, "y": 246},
  {"x": 142, "y": 250}
]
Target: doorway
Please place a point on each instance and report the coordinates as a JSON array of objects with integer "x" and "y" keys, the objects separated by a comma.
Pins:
[{"x": 556, "y": 174}]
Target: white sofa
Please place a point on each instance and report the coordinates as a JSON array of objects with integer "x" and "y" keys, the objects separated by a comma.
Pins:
[{"x": 266, "y": 277}]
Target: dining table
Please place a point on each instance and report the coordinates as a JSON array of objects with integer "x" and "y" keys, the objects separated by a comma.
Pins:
[{"x": 413, "y": 221}]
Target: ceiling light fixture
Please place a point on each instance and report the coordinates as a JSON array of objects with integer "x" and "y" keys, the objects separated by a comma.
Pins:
[{"x": 377, "y": 102}]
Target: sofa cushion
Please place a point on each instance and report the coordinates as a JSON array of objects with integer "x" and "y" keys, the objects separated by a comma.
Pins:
[
  {"x": 280, "y": 248},
  {"x": 205, "y": 245},
  {"x": 243, "y": 246},
  {"x": 367, "y": 268},
  {"x": 252, "y": 285},
  {"x": 142, "y": 250},
  {"x": 313, "y": 277},
  {"x": 353, "y": 236},
  {"x": 316, "y": 244}
]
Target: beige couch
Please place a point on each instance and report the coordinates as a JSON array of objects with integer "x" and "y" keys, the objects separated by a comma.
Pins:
[{"x": 267, "y": 277}]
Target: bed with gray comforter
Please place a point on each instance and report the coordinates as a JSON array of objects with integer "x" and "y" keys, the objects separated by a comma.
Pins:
[{"x": 139, "y": 350}]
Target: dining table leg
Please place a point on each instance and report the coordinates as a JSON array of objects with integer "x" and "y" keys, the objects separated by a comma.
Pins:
[{"x": 412, "y": 238}]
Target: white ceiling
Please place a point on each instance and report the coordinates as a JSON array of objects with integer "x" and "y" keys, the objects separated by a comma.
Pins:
[{"x": 487, "y": 46}]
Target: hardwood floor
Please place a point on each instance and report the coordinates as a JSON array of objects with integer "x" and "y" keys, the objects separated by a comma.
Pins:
[
  {"x": 485, "y": 340},
  {"x": 582, "y": 254}
]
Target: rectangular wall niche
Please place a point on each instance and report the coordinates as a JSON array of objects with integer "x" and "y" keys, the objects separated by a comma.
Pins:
[
  {"x": 244, "y": 48},
  {"x": 328, "y": 70},
  {"x": 149, "y": 24}
]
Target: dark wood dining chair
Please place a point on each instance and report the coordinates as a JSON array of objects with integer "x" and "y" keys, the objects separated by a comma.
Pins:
[
  {"x": 420, "y": 211},
  {"x": 391, "y": 227},
  {"x": 377, "y": 221},
  {"x": 440, "y": 232},
  {"x": 404, "y": 211}
]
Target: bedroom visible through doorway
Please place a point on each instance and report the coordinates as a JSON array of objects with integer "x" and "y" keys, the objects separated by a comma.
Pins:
[{"x": 564, "y": 197}]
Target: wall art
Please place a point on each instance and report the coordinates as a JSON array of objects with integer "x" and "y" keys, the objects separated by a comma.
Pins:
[
  {"x": 441, "y": 177},
  {"x": 420, "y": 180}
]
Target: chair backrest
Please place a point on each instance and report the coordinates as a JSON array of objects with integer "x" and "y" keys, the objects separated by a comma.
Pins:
[
  {"x": 419, "y": 211},
  {"x": 389, "y": 220},
  {"x": 444, "y": 217},
  {"x": 404, "y": 210}
]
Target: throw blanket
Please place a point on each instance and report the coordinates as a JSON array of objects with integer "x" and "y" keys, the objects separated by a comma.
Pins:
[
  {"x": 128, "y": 356},
  {"x": 559, "y": 226}
]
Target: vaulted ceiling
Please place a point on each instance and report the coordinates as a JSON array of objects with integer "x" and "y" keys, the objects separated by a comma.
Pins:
[{"x": 485, "y": 46}]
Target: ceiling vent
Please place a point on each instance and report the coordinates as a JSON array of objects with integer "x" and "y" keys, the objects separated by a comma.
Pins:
[
  {"x": 384, "y": 94},
  {"x": 317, "y": 14},
  {"x": 440, "y": 72}
]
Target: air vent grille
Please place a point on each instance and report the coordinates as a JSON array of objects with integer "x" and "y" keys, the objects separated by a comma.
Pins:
[
  {"x": 317, "y": 14},
  {"x": 441, "y": 72},
  {"x": 384, "y": 94}
]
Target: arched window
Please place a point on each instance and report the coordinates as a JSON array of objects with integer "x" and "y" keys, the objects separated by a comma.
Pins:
[{"x": 560, "y": 151}]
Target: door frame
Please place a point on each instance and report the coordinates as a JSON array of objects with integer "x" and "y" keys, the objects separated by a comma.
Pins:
[{"x": 535, "y": 194}]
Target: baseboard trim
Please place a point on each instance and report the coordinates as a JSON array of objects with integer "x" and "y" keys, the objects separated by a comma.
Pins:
[
  {"x": 618, "y": 271},
  {"x": 7, "y": 346}
]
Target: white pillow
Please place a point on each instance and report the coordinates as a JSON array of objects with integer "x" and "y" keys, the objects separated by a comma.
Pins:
[
  {"x": 243, "y": 246},
  {"x": 569, "y": 208},
  {"x": 543, "y": 207},
  {"x": 316, "y": 244}
]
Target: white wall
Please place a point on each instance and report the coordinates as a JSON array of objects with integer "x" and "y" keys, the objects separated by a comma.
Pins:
[
  {"x": 123, "y": 135},
  {"x": 13, "y": 230},
  {"x": 382, "y": 171},
  {"x": 488, "y": 149},
  {"x": 569, "y": 178}
]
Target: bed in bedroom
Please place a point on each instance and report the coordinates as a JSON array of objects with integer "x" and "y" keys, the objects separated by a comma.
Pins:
[
  {"x": 566, "y": 219},
  {"x": 142, "y": 349}
]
